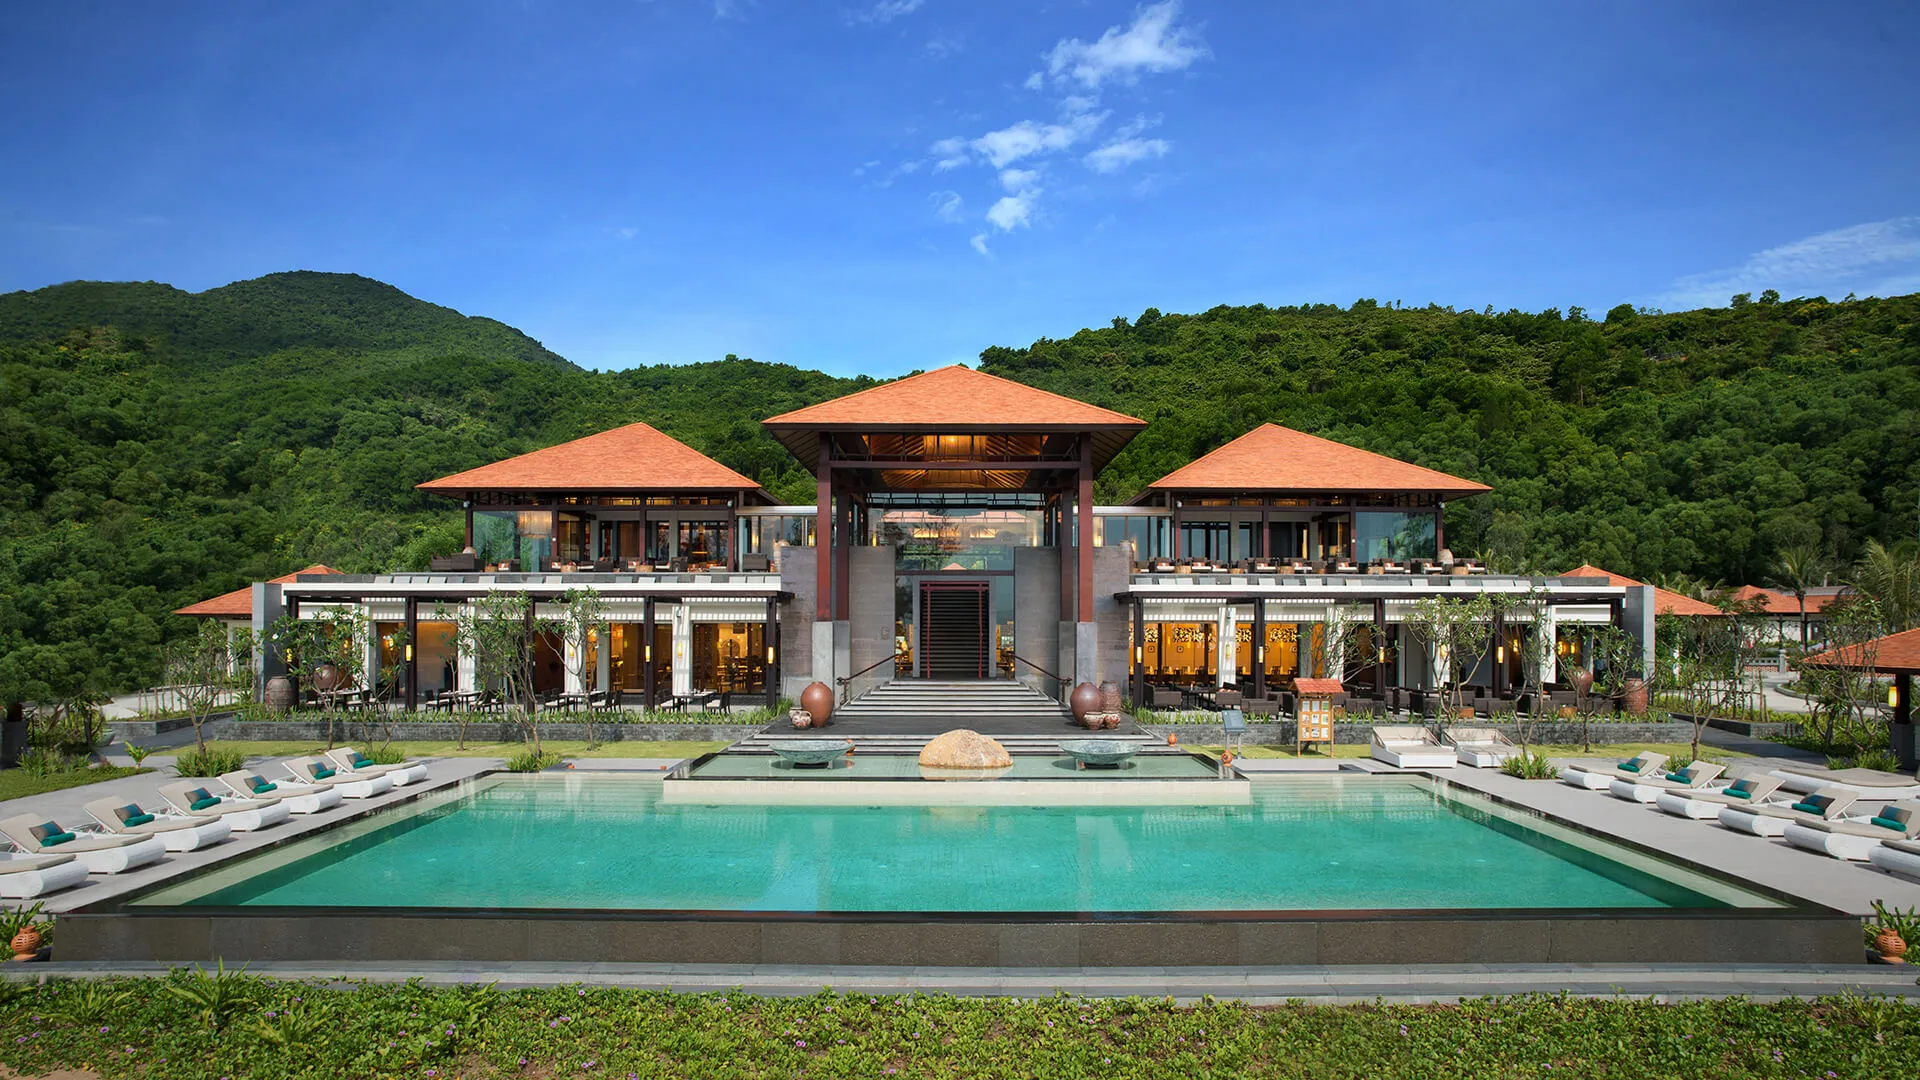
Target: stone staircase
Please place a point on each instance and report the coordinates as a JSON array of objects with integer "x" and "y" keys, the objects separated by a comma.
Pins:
[{"x": 901, "y": 716}]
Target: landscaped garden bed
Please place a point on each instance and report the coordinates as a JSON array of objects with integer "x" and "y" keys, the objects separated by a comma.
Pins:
[{"x": 193, "y": 1026}]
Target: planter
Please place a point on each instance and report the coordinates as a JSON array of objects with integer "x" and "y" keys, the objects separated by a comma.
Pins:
[
  {"x": 1891, "y": 947},
  {"x": 279, "y": 696},
  {"x": 327, "y": 677},
  {"x": 1084, "y": 700},
  {"x": 817, "y": 699},
  {"x": 1635, "y": 697},
  {"x": 26, "y": 944},
  {"x": 800, "y": 718},
  {"x": 1109, "y": 697}
]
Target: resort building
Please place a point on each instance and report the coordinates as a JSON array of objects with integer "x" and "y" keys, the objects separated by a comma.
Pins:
[{"x": 954, "y": 536}]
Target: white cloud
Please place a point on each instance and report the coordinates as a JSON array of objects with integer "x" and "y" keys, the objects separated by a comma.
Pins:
[
  {"x": 1013, "y": 211},
  {"x": 949, "y": 153},
  {"x": 1027, "y": 138},
  {"x": 939, "y": 48},
  {"x": 1035, "y": 81},
  {"x": 1118, "y": 155},
  {"x": 883, "y": 12},
  {"x": 627, "y": 232},
  {"x": 1830, "y": 263},
  {"x": 1019, "y": 180},
  {"x": 947, "y": 205},
  {"x": 979, "y": 243},
  {"x": 729, "y": 9},
  {"x": 1151, "y": 44}
]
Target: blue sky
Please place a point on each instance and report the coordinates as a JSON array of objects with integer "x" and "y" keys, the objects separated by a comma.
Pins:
[{"x": 882, "y": 186}]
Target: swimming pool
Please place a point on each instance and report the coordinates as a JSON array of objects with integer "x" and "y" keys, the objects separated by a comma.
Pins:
[{"x": 610, "y": 844}]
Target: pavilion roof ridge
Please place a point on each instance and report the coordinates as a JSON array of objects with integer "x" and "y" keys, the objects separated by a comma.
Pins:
[
  {"x": 1273, "y": 457},
  {"x": 970, "y": 412},
  {"x": 635, "y": 456}
]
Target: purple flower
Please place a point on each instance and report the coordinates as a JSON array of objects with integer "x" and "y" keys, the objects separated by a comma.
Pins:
[
  {"x": 1403, "y": 1029},
  {"x": 801, "y": 1043},
  {"x": 104, "y": 1030},
  {"x": 430, "y": 1072},
  {"x": 553, "y": 1023}
]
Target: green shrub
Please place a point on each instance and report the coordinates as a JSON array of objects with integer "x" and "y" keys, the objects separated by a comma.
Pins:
[
  {"x": 387, "y": 754},
  {"x": 1906, "y": 923},
  {"x": 1530, "y": 766},
  {"x": 209, "y": 762},
  {"x": 531, "y": 761},
  {"x": 1877, "y": 758}
]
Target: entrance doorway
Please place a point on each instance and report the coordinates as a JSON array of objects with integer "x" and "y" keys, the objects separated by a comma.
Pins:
[{"x": 953, "y": 630}]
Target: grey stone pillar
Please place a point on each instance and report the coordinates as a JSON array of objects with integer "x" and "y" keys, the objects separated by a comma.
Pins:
[{"x": 267, "y": 662}]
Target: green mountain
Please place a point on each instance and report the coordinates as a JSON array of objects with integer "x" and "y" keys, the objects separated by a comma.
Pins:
[{"x": 159, "y": 446}]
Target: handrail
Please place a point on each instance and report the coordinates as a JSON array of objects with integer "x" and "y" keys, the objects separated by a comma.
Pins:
[
  {"x": 846, "y": 681},
  {"x": 1058, "y": 681}
]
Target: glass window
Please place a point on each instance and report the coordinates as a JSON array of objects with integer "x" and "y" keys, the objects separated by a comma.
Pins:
[
  {"x": 1388, "y": 535},
  {"x": 730, "y": 657},
  {"x": 935, "y": 538},
  {"x": 572, "y": 539},
  {"x": 704, "y": 543},
  {"x": 1203, "y": 539},
  {"x": 523, "y": 539}
]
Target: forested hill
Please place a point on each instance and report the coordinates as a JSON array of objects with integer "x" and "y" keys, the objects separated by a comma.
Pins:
[{"x": 158, "y": 447}]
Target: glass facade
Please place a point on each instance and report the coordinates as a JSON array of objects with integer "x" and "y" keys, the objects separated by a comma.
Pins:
[
  {"x": 1393, "y": 535},
  {"x": 956, "y": 538},
  {"x": 1150, "y": 534},
  {"x": 523, "y": 538},
  {"x": 759, "y": 533}
]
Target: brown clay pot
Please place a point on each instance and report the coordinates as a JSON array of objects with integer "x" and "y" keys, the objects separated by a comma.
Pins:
[
  {"x": 279, "y": 696},
  {"x": 327, "y": 677},
  {"x": 1173, "y": 739},
  {"x": 1635, "y": 697},
  {"x": 1890, "y": 945},
  {"x": 26, "y": 944},
  {"x": 1111, "y": 721},
  {"x": 1109, "y": 697},
  {"x": 817, "y": 699},
  {"x": 1084, "y": 699}
]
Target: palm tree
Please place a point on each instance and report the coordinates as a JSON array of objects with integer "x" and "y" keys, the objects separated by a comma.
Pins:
[
  {"x": 1891, "y": 576},
  {"x": 1797, "y": 569}
]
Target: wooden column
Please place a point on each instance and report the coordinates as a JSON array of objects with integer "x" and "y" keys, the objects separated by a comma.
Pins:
[
  {"x": 823, "y": 532},
  {"x": 1379, "y": 647},
  {"x": 1439, "y": 530},
  {"x": 469, "y": 509},
  {"x": 532, "y": 697},
  {"x": 1499, "y": 649},
  {"x": 1069, "y": 556},
  {"x": 1259, "y": 647},
  {"x": 1902, "y": 707},
  {"x": 1139, "y": 652},
  {"x": 412, "y": 671},
  {"x": 843, "y": 542},
  {"x": 646, "y": 653},
  {"x": 770, "y": 638},
  {"x": 1085, "y": 545}
]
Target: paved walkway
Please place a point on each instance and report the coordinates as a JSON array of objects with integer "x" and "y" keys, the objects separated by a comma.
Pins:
[{"x": 1408, "y": 984}]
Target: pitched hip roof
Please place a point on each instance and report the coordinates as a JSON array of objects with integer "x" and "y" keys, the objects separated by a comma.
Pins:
[
  {"x": 1665, "y": 601},
  {"x": 1894, "y": 654},
  {"x": 636, "y": 457},
  {"x": 1782, "y": 602},
  {"x": 238, "y": 604},
  {"x": 954, "y": 399},
  {"x": 1275, "y": 458}
]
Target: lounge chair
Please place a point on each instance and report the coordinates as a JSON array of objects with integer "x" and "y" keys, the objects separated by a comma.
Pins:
[
  {"x": 1900, "y": 857},
  {"x": 1829, "y": 804},
  {"x": 321, "y": 773},
  {"x": 195, "y": 799},
  {"x": 1694, "y": 777},
  {"x": 1702, "y": 805},
  {"x": 1482, "y": 748},
  {"x": 1871, "y": 784},
  {"x": 1600, "y": 777},
  {"x": 178, "y": 833},
  {"x": 1857, "y": 838},
  {"x": 349, "y": 760},
  {"x": 23, "y": 877},
  {"x": 299, "y": 798},
  {"x": 31, "y": 833},
  {"x": 1410, "y": 747}
]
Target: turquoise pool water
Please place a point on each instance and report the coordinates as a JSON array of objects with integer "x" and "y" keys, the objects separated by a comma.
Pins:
[{"x": 1309, "y": 843}]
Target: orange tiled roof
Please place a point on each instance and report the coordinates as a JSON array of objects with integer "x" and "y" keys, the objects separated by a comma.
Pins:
[
  {"x": 1665, "y": 601},
  {"x": 953, "y": 398},
  {"x": 1782, "y": 602},
  {"x": 238, "y": 604},
  {"x": 1895, "y": 654},
  {"x": 1318, "y": 686},
  {"x": 1275, "y": 458},
  {"x": 637, "y": 457}
]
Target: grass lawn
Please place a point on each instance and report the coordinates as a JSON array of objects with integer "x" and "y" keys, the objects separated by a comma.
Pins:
[
  {"x": 18, "y": 783},
  {"x": 199, "y": 1027},
  {"x": 1555, "y": 750},
  {"x": 575, "y": 750}
]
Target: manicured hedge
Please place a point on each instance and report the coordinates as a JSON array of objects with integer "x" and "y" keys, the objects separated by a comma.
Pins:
[{"x": 185, "y": 1027}]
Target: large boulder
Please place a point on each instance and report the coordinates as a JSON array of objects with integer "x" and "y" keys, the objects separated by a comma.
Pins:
[{"x": 964, "y": 749}]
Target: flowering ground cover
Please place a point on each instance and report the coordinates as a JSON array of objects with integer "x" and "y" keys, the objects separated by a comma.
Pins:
[{"x": 192, "y": 1025}]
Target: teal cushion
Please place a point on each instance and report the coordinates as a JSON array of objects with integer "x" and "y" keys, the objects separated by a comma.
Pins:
[
  {"x": 1630, "y": 765},
  {"x": 137, "y": 819},
  {"x": 56, "y": 839},
  {"x": 263, "y": 785},
  {"x": 361, "y": 761},
  {"x": 204, "y": 804},
  {"x": 1808, "y": 808},
  {"x": 1736, "y": 793},
  {"x": 321, "y": 772},
  {"x": 1889, "y": 823},
  {"x": 1679, "y": 778}
]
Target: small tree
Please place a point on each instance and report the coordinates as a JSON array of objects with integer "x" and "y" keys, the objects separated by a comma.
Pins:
[
  {"x": 1613, "y": 657},
  {"x": 583, "y": 618},
  {"x": 331, "y": 636},
  {"x": 202, "y": 673},
  {"x": 498, "y": 631},
  {"x": 1844, "y": 688},
  {"x": 1532, "y": 612},
  {"x": 1456, "y": 631}
]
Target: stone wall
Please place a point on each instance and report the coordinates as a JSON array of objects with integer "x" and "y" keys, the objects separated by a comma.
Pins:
[
  {"x": 480, "y": 731},
  {"x": 799, "y": 575},
  {"x": 1036, "y": 614},
  {"x": 871, "y": 618},
  {"x": 1281, "y": 733}
]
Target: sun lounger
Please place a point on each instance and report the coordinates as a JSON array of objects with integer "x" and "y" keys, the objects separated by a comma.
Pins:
[
  {"x": 1900, "y": 857},
  {"x": 178, "y": 833},
  {"x": 353, "y": 762},
  {"x": 37, "y": 835},
  {"x": 1600, "y": 777},
  {"x": 1409, "y": 747},
  {"x": 1828, "y": 804},
  {"x": 320, "y": 771},
  {"x": 23, "y": 877},
  {"x": 1694, "y": 777},
  {"x": 1855, "y": 839},
  {"x": 299, "y": 798},
  {"x": 1482, "y": 748},
  {"x": 197, "y": 799},
  {"x": 1871, "y": 784},
  {"x": 1702, "y": 805}
]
